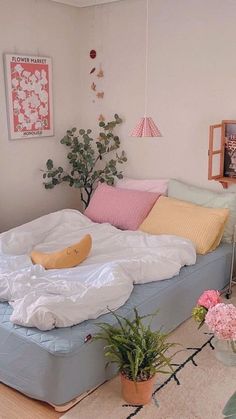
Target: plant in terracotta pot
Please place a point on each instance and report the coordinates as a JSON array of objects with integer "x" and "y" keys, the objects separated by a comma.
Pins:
[{"x": 139, "y": 352}]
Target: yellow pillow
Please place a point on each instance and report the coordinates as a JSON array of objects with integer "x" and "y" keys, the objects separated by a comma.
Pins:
[
  {"x": 66, "y": 258},
  {"x": 203, "y": 226}
]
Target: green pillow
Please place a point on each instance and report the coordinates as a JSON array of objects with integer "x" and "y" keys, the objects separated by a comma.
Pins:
[{"x": 206, "y": 198}]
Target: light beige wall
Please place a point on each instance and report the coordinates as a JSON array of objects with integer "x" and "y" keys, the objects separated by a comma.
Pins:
[
  {"x": 192, "y": 84},
  {"x": 192, "y": 79},
  {"x": 38, "y": 27}
]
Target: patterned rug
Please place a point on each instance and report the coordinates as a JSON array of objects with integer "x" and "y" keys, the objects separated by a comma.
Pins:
[{"x": 198, "y": 388}]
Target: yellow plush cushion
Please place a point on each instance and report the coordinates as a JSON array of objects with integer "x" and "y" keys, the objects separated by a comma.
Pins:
[
  {"x": 203, "y": 226},
  {"x": 67, "y": 258}
]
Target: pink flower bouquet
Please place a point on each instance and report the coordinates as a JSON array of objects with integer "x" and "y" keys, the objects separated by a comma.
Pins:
[
  {"x": 221, "y": 320},
  {"x": 208, "y": 299},
  {"x": 219, "y": 317}
]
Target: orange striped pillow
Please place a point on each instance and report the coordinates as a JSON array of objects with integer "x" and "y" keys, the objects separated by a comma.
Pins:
[{"x": 203, "y": 226}]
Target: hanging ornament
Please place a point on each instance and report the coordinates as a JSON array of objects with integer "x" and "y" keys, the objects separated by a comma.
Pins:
[
  {"x": 100, "y": 95},
  {"x": 93, "y": 69},
  {"x": 101, "y": 118},
  {"x": 93, "y": 54},
  {"x": 100, "y": 74},
  {"x": 93, "y": 87}
]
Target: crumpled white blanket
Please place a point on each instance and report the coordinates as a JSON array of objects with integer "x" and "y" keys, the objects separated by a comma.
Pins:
[{"x": 64, "y": 297}]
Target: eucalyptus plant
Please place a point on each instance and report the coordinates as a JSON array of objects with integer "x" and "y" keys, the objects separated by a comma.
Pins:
[
  {"x": 229, "y": 411},
  {"x": 138, "y": 351},
  {"x": 88, "y": 163}
]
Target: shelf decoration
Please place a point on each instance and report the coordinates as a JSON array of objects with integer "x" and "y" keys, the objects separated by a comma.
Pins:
[
  {"x": 222, "y": 153},
  {"x": 29, "y": 96}
]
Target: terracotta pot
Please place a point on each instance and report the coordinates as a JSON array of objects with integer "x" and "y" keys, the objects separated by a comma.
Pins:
[{"x": 137, "y": 392}]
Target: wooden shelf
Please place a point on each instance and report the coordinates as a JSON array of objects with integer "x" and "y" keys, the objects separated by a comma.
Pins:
[{"x": 226, "y": 181}]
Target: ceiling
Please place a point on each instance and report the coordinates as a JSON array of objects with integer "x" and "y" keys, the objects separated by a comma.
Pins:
[{"x": 84, "y": 3}]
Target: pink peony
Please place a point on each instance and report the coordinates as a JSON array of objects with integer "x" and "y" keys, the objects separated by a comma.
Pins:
[
  {"x": 221, "y": 320},
  {"x": 209, "y": 299}
]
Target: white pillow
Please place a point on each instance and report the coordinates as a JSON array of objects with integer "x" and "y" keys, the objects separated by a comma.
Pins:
[{"x": 148, "y": 185}]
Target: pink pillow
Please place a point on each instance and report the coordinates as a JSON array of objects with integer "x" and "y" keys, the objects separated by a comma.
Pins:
[
  {"x": 149, "y": 185},
  {"x": 123, "y": 208}
]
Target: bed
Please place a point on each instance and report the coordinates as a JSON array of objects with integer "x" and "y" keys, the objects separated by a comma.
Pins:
[{"x": 58, "y": 365}]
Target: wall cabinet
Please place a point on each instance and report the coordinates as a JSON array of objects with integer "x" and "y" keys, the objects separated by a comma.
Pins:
[{"x": 222, "y": 153}]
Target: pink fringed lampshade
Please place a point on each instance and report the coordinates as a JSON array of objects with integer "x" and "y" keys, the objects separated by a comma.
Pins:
[{"x": 146, "y": 127}]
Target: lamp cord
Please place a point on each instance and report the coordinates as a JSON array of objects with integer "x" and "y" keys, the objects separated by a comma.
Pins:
[{"x": 146, "y": 54}]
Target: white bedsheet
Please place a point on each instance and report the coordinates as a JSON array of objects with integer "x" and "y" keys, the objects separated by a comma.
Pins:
[{"x": 58, "y": 298}]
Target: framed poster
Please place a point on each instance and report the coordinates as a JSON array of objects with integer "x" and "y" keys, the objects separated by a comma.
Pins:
[
  {"x": 29, "y": 96},
  {"x": 229, "y": 135}
]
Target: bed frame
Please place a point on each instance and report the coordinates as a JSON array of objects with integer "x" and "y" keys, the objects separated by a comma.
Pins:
[
  {"x": 232, "y": 280},
  {"x": 63, "y": 379}
]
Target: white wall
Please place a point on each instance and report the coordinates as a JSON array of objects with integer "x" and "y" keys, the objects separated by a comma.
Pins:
[
  {"x": 192, "y": 79},
  {"x": 38, "y": 27},
  {"x": 192, "y": 84}
]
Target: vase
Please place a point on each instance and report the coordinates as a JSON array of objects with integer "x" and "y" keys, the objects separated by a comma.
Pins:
[
  {"x": 224, "y": 351},
  {"x": 137, "y": 392}
]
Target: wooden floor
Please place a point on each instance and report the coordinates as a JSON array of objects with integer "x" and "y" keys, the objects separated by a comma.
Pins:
[{"x": 13, "y": 405}]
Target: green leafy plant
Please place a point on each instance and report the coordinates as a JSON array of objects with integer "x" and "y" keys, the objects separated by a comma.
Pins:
[
  {"x": 138, "y": 351},
  {"x": 86, "y": 160},
  {"x": 230, "y": 408}
]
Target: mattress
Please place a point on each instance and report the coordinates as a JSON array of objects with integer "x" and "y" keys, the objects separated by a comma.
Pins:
[{"x": 58, "y": 365}]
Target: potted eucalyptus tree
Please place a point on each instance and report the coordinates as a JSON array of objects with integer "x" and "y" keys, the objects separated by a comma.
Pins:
[
  {"x": 90, "y": 160},
  {"x": 139, "y": 352}
]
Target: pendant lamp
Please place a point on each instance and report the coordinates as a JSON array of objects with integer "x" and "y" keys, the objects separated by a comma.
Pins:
[{"x": 146, "y": 127}]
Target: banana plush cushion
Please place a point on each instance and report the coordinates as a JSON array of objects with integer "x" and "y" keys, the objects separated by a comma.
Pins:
[
  {"x": 67, "y": 258},
  {"x": 203, "y": 226}
]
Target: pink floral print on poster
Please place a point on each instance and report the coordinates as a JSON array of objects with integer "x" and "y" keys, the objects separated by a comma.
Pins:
[{"x": 29, "y": 91}]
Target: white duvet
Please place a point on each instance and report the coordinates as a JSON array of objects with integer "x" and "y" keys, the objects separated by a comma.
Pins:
[{"x": 58, "y": 298}]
